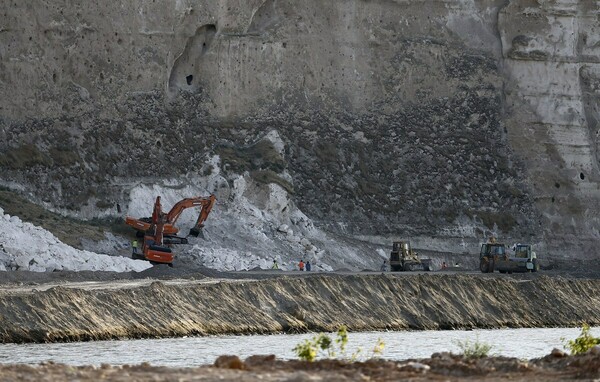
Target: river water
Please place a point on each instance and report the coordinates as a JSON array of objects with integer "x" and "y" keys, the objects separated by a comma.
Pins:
[{"x": 194, "y": 351}]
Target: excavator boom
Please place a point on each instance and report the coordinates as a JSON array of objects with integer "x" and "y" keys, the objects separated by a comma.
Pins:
[
  {"x": 142, "y": 225},
  {"x": 207, "y": 205}
]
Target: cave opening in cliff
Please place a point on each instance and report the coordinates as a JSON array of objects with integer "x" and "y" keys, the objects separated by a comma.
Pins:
[
  {"x": 581, "y": 176},
  {"x": 189, "y": 79}
]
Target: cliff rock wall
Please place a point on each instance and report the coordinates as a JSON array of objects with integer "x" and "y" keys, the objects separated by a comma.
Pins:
[{"x": 446, "y": 121}]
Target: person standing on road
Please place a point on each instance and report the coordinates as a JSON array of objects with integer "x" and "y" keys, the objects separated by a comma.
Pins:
[
  {"x": 383, "y": 267},
  {"x": 275, "y": 265},
  {"x": 308, "y": 266},
  {"x": 301, "y": 265},
  {"x": 134, "y": 247}
]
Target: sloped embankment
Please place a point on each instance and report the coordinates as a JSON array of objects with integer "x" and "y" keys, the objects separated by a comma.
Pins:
[{"x": 297, "y": 304}]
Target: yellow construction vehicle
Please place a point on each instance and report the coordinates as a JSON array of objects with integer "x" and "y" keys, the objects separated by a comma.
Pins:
[
  {"x": 494, "y": 256},
  {"x": 402, "y": 258}
]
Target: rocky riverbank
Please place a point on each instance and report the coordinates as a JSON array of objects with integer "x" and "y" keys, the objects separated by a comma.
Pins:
[
  {"x": 441, "y": 366},
  {"x": 289, "y": 304}
]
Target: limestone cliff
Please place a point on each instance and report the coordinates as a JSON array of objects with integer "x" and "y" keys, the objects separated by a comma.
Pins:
[{"x": 442, "y": 120}]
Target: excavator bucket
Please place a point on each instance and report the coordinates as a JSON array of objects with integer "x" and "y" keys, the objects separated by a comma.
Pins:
[{"x": 196, "y": 231}]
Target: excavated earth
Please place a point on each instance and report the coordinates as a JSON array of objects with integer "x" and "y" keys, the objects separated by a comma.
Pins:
[{"x": 181, "y": 307}]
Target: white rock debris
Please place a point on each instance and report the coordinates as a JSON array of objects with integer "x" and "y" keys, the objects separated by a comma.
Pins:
[{"x": 24, "y": 246}]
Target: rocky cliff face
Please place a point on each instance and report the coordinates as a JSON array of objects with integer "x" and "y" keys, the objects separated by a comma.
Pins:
[
  {"x": 551, "y": 52},
  {"x": 445, "y": 121}
]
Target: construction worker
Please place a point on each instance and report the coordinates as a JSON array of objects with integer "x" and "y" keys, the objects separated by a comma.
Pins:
[
  {"x": 134, "y": 246},
  {"x": 275, "y": 265},
  {"x": 383, "y": 267},
  {"x": 301, "y": 265},
  {"x": 308, "y": 266}
]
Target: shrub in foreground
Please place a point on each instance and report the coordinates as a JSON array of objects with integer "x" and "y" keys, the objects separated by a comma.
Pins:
[
  {"x": 475, "y": 349},
  {"x": 323, "y": 345},
  {"x": 583, "y": 343}
]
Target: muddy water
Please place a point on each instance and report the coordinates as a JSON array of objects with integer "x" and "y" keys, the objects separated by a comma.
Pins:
[{"x": 194, "y": 351}]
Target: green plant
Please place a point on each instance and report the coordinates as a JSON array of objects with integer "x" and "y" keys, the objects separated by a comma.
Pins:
[
  {"x": 308, "y": 349},
  {"x": 322, "y": 344},
  {"x": 583, "y": 343},
  {"x": 475, "y": 349}
]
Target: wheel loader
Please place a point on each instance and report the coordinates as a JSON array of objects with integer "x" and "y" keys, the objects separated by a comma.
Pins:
[
  {"x": 402, "y": 258},
  {"x": 494, "y": 256}
]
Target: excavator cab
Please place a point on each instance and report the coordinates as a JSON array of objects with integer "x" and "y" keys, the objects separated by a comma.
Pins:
[{"x": 157, "y": 254}]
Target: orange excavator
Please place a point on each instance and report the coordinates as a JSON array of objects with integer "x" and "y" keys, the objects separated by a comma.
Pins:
[
  {"x": 153, "y": 248},
  {"x": 169, "y": 219},
  {"x": 159, "y": 230}
]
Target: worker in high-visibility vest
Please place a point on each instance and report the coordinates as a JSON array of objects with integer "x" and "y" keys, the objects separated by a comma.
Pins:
[
  {"x": 134, "y": 246},
  {"x": 275, "y": 265}
]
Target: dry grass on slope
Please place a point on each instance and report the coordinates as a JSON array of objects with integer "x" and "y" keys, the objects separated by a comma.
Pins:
[{"x": 68, "y": 230}]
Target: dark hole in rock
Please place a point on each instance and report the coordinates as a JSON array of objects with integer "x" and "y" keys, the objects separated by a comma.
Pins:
[
  {"x": 557, "y": 185},
  {"x": 158, "y": 144},
  {"x": 189, "y": 79},
  {"x": 553, "y": 199},
  {"x": 581, "y": 176}
]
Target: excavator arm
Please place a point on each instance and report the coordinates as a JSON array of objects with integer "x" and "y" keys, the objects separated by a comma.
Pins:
[
  {"x": 177, "y": 209},
  {"x": 170, "y": 218},
  {"x": 207, "y": 205}
]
